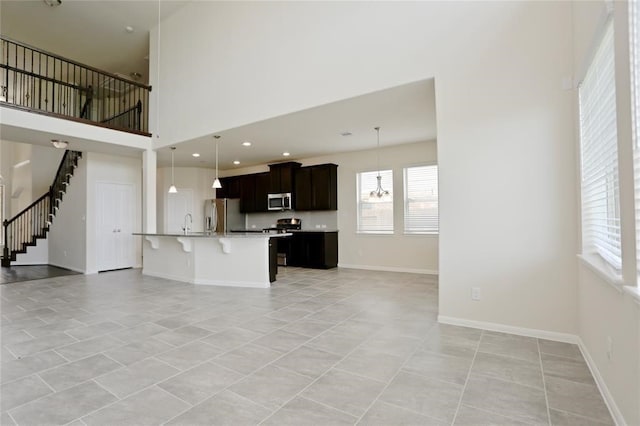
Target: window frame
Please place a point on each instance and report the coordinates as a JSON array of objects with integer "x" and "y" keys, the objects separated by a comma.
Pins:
[
  {"x": 594, "y": 241},
  {"x": 405, "y": 200},
  {"x": 359, "y": 202}
]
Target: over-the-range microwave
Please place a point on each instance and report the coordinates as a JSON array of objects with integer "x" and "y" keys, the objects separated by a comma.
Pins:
[{"x": 279, "y": 201}]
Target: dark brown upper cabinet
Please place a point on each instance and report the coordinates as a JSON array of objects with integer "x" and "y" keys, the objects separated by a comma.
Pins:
[
  {"x": 316, "y": 187},
  {"x": 281, "y": 177},
  {"x": 253, "y": 192},
  {"x": 230, "y": 187}
]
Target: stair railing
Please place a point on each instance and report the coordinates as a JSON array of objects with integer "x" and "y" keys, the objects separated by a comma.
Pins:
[
  {"x": 33, "y": 222},
  {"x": 21, "y": 230}
]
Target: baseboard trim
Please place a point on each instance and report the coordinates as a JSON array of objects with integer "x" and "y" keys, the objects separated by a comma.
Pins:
[
  {"x": 390, "y": 269},
  {"x": 165, "y": 276},
  {"x": 602, "y": 386},
  {"x": 520, "y": 331},
  {"x": 617, "y": 416}
]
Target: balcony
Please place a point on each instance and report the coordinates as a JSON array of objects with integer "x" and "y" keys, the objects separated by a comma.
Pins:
[{"x": 45, "y": 83}]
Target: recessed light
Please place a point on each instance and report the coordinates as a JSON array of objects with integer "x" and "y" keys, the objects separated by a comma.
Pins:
[
  {"x": 247, "y": 143},
  {"x": 286, "y": 154},
  {"x": 129, "y": 29},
  {"x": 236, "y": 162},
  {"x": 195, "y": 154},
  {"x": 346, "y": 134}
]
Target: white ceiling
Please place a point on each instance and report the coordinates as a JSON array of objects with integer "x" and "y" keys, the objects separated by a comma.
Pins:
[
  {"x": 405, "y": 114},
  {"x": 88, "y": 31},
  {"x": 93, "y": 32}
]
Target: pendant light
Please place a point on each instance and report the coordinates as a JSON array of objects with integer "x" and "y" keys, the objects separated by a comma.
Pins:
[
  {"x": 172, "y": 188},
  {"x": 216, "y": 182},
  {"x": 379, "y": 193}
]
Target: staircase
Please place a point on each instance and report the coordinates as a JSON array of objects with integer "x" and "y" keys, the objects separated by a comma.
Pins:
[{"x": 22, "y": 230}]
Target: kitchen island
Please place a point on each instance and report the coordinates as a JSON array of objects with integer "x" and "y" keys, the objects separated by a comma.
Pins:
[{"x": 237, "y": 259}]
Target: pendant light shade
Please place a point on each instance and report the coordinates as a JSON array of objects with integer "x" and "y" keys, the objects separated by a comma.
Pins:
[
  {"x": 172, "y": 188},
  {"x": 216, "y": 182},
  {"x": 379, "y": 193}
]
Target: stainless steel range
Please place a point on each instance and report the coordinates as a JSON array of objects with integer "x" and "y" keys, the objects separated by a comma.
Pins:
[{"x": 284, "y": 225}]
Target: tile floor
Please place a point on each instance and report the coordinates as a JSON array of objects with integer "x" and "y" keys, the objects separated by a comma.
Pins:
[{"x": 319, "y": 348}]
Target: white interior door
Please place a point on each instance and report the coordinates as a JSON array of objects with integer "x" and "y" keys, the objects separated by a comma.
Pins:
[
  {"x": 115, "y": 224},
  {"x": 179, "y": 205}
]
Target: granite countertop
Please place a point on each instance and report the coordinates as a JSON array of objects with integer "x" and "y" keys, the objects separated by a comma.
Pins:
[
  {"x": 216, "y": 235},
  {"x": 314, "y": 230}
]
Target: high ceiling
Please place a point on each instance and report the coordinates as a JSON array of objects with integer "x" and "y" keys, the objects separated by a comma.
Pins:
[
  {"x": 404, "y": 113},
  {"x": 89, "y": 31},
  {"x": 94, "y": 32}
]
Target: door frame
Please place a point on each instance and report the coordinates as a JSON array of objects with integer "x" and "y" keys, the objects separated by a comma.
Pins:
[{"x": 132, "y": 219}]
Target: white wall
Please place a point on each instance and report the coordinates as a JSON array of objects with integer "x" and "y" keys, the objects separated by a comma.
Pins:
[
  {"x": 21, "y": 181},
  {"x": 35, "y": 255},
  {"x": 111, "y": 169},
  {"x": 605, "y": 310},
  {"x": 397, "y": 252},
  {"x": 505, "y": 124},
  {"x": 33, "y": 178},
  {"x": 68, "y": 233},
  {"x": 72, "y": 239},
  {"x": 44, "y": 165},
  {"x": 197, "y": 179},
  {"x": 6, "y": 160}
]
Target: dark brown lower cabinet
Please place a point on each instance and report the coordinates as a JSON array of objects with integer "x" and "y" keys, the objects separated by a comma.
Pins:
[{"x": 310, "y": 249}]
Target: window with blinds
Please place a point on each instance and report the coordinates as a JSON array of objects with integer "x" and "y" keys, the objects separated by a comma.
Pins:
[
  {"x": 421, "y": 200},
  {"x": 375, "y": 215},
  {"x": 599, "y": 156},
  {"x": 634, "y": 14}
]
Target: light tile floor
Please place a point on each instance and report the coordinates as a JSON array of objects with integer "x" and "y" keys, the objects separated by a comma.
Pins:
[{"x": 318, "y": 348}]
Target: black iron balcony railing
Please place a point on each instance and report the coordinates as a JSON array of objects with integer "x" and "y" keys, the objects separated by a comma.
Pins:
[{"x": 46, "y": 83}]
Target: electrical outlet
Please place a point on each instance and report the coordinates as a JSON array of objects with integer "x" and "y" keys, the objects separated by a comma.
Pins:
[
  {"x": 475, "y": 293},
  {"x": 609, "y": 348}
]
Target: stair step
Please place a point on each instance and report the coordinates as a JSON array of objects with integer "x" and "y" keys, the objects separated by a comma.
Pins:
[{"x": 61, "y": 183}]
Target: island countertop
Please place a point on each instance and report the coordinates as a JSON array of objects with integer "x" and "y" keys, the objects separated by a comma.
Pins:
[
  {"x": 231, "y": 259},
  {"x": 217, "y": 235}
]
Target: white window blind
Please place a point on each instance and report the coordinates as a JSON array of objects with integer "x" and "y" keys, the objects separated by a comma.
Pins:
[
  {"x": 599, "y": 155},
  {"x": 375, "y": 215},
  {"x": 635, "y": 100},
  {"x": 421, "y": 200}
]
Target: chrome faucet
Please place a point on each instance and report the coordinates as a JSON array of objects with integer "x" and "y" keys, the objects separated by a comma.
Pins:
[{"x": 186, "y": 228}]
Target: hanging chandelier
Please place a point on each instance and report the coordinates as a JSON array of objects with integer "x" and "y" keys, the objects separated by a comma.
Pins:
[
  {"x": 216, "y": 182},
  {"x": 379, "y": 193},
  {"x": 172, "y": 188}
]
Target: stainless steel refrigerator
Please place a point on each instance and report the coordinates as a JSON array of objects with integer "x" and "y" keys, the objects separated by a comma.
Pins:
[{"x": 222, "y": 215}]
